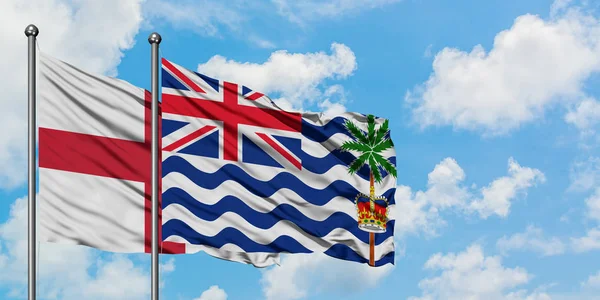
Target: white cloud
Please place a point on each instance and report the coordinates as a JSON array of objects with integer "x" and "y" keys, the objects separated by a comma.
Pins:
[
  {"x": 118, "y": 278},
  {"x": 167, "y": 267},
  {"x": 587, "y": 243},
  {"x": 332, "y": 108},
  {"x": 201, "y": 16},
  {"x": 559, "y": 6},
  {"x": 298, "y": 78},
  {"x": 585, "y": 175},
  {"x": 443, "y": 184},
  {"x": 213, "y": 293},
  {"x": 591, "y": 241},
  {"x": 524, "y": 295},
  {"x": 301, "y": 11},
  {"x": 532, "y": 239},
  {"x": 593, "y": 282},
  {"x": 261, "y": 42},
  {"x": 428, "y": 51},
  {"x": 498, "y": 195},
  {"x": 302, "y": 275},
  {"x": 420, "y": 211},
  {"x": 415, "y": 213},
  {"x": 75, "y": 31},
  {"x": 593, "y": 205},
  {"x": 66, "y": 272},
  {"x": 532, "y": 66},
  {"x": 587, "y": 178},
  {"x": 334, "y": 100},
  {"x": 589, "y": 290},
  {"x": 209, "y": 18},
  {"x": 585, "y": 116},
  {"x": 487, "y": 278}
]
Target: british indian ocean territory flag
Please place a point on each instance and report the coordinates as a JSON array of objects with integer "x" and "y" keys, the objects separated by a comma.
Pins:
[{"x": 241, "y": 175}]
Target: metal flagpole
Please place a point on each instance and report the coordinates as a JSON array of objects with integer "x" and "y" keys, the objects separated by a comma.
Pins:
[
  {"x": 31, "y": 32},
  {"x": 154, "y": 40}
]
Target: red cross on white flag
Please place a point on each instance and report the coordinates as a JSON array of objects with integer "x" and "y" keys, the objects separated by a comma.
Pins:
[{"x": 94, "y": 158}]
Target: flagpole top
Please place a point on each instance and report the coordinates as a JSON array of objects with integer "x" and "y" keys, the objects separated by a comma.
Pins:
[
  {"x": 154, "y": 38},
  {"x": 31, "y": 30}
]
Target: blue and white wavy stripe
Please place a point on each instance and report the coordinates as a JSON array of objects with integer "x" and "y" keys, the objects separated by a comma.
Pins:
[
  {"x": 315, "y": 211},
  {"x": 265, "y": 174},
  {"x": 266, "y": 220},
  {"x": 312, "y": 173},
  {"x": 334, "y": 158},
  {"x": 319, "y": 196},
  {"x": 283, "y": 237},
  {"x": 321, "y": 133},
  {"x": 333, "y": 224},
  {"x": 257, "y": 209}
]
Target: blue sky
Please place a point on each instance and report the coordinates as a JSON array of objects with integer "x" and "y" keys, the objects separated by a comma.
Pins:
[{"x": 493, "y": 109}]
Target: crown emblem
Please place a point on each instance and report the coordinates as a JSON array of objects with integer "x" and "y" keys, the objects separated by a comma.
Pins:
[{"x": 372, "y": 213}]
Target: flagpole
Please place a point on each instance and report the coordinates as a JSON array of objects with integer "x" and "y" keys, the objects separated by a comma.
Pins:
[
  {"x": 154, "y": 40},
  {"x": 31, "y": 32}
]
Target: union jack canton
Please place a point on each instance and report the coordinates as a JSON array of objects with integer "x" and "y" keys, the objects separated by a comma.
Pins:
[{"x": 201, "y": 113}]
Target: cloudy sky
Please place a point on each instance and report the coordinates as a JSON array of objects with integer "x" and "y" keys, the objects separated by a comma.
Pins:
[{"x": 494, "y": 112}]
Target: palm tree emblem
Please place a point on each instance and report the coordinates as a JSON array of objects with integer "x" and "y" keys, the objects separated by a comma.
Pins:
[
  {"x": 372, "y": 211},
  {"x": 370, "y": 147}
]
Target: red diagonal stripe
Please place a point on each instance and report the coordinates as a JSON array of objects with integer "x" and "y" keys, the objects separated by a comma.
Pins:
[
  {"x": 281, "y": 151},
  {"x": 254, "y": 96},
  {"x": 189, "y": 137},
  {"x": 182, "y": 77}
]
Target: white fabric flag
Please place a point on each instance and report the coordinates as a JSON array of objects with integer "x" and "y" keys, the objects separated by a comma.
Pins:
[{"x": 94, "y": 158}]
